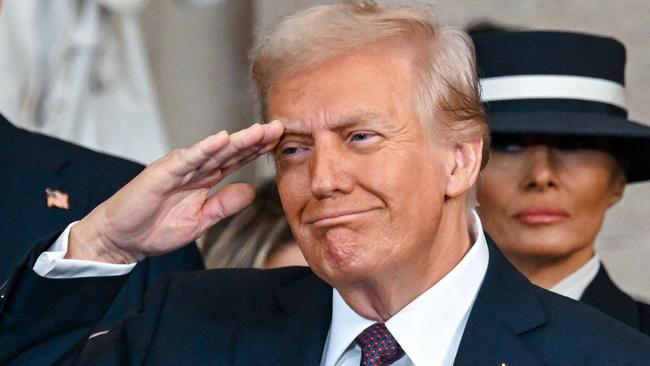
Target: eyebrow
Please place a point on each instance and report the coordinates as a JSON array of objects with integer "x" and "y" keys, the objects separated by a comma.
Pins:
[{"x": 342, "y": 122}]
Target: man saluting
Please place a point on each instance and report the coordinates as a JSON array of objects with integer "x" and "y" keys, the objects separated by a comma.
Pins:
[{"x": 378, "y": 136}]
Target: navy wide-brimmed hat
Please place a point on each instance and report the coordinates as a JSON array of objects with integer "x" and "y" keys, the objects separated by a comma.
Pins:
[{"x": 561, "y": 83}]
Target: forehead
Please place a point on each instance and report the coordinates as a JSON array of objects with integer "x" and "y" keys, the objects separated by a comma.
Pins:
[
  {"x": 354, "y": 117},
  {"x": 360, "y": 86}
]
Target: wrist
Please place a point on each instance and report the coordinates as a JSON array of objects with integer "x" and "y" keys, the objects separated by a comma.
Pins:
[{"x": 86, "y": 242}]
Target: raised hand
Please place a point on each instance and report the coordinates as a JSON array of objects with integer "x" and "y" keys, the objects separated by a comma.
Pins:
[{"x": 169, "y": 204}]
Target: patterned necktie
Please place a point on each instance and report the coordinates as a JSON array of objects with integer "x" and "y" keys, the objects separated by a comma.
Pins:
[{"x": 378, "y": 346}]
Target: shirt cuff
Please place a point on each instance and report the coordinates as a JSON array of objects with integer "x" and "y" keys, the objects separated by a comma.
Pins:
[{"x": 51, "y": 263}]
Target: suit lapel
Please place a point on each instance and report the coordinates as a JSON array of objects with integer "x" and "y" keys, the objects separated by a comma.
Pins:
[
  {"x": 506, "y": 307},
  {"x": 55, "y": 176},
  {"x": 603, "y": 294},
  {"x": 38, "y": 166},
  {"x": 295, "y": 336},
  {"x": 30, "y": 165}
]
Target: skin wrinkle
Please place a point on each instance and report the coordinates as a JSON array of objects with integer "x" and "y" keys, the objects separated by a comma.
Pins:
[
  {"x": 409, "y": 236},
  {"x": 583, "y": 183},
  {"x": 337, "y": 123}
]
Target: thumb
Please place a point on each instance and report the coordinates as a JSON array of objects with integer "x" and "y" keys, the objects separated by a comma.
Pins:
[{"x": 227, "y": 201}]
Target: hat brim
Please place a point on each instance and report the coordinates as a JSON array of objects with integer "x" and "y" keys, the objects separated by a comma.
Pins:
[{"x": 630, "y": 141}]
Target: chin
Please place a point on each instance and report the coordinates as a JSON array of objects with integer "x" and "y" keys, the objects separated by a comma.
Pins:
[
  {"x": 343, "y": 265},
  {"x": 343, "y": 258},
  {"x": 342, "y": 246},
  {"x": 330, "y": 252},
  {"x": 342, "y": 253},
  {"x": 539, "y": 249}
]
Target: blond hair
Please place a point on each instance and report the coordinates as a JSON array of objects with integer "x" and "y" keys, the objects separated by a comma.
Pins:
[
  {"x": 447, "y": 80},
  {"x": 249, "y": 237}
]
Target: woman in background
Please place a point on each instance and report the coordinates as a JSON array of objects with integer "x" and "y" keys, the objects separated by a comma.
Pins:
[
  {"x": 562, "y": 152},
  {"x": 258, "y": 236}
]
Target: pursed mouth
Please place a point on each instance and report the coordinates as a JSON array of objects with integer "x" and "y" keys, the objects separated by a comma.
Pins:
[{"x": 339, "y": 217}]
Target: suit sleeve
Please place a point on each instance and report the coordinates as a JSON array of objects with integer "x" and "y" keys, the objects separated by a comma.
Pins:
[
  {"x": 47, "y": 321},
  {"x": 129, "y": 342},
  {"x": 142, "y": 278}
]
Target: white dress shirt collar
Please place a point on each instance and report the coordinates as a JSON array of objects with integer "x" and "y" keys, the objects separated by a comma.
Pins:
[
  {"x": 429, "y": 329},
  {"x": 575, "y": 284}
]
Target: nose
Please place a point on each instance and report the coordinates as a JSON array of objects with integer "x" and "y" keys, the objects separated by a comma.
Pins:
[
  {"x": 540, "y": 170},
  {"x": 328, "y": 168}
]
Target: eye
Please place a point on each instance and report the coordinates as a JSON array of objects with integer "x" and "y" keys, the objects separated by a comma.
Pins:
[
  {"x": 509, "y": 147},
  {"x": 290, "y": 150},
  {"x": 361, "y": 136}
]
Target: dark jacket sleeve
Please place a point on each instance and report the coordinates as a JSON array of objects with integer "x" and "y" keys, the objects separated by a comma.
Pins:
[
  {"x": 129, "y": 342},
  {"x": 143, "y": 276},
  {"x": 47, "y": 321}
]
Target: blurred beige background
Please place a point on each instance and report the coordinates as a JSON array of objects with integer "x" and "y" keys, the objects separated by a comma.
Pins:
[{"x": 198, "y": 58}]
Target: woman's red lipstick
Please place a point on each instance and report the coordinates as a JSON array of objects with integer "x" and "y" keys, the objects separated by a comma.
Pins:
[{"x": 541, "y": 216}]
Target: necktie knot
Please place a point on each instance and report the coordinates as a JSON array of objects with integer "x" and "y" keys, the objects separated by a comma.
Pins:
[{"x": 378, "y": 346}]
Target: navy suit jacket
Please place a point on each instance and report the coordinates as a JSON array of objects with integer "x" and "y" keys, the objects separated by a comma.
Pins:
[
  {"x": 605, "y": 296},
  {"x": 30, "y": 163},
  {"x": 281, "y": 317}
]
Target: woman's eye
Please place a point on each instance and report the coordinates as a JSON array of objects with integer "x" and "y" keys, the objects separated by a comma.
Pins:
[
  {"x": 508, "y": 148},
  {"x": 575, "y": 145}
]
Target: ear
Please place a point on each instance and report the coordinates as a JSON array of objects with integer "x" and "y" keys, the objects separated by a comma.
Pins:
[
  {"x": 618, "y": 187},
  {"x": 466, "y": 166}
]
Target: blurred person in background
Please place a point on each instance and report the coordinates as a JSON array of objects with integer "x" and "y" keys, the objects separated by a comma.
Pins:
[
  {"x": 562, "y": 153},
  {"x": 48, "y": 183},
  {"x": 258, "y": 236},
  {"x": 79, "y": 71}
]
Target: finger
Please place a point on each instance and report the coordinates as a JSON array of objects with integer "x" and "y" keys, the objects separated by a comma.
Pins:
[
  {"x": 229, "y": 200},
  {"x": 186, "y": 160},
  {"x": 243, "y": 155},
  {"x": 209, "y": 178},
  {"x": 272, "y": 133},
  {"x": 235, "y": 166},
  {"x": 243, "y": 147},
  {"x": 253, "y": 138},
  {"x": 211, "y": 173},
  {"x": 188, "y": 164},
  {"x": 216, "y": 147},
  {"x": 240, "y": 142}
]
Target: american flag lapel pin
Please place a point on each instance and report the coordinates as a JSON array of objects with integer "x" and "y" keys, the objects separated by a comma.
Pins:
[{"x": 56, "y": 199}]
